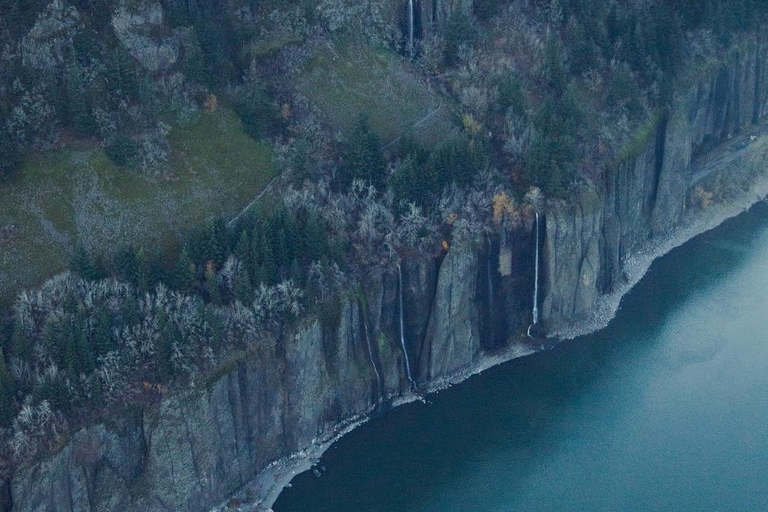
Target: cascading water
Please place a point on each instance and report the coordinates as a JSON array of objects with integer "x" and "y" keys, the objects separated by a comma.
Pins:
[
  {"x": 536, "y": 277},
  {"x": 411, "y": 26},
  {"x": 370, "y": 354},
  {"x": 536, "y": 280},
  {"x": 490, "y": 282},
  {"x": 402, "y": 328}
]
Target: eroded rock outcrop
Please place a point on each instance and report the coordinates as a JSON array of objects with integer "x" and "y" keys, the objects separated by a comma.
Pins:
[{"x": 142, "y": 32}]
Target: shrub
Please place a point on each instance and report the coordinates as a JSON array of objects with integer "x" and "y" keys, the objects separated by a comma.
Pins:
[
  {"x": 259, "y": 114},
  {"x": 122, "y": 151}
]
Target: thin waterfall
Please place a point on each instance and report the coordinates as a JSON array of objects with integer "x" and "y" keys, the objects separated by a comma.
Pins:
[
  {"x": 490, "y": 288},
  {"x": 402, "y": 328},
  {"x": 536, "y": 277},
  {"x": 490, "y": 276},
  {"x": 536, "y": 280},
  {"x": 411, "y": 26},
  {"x": 370, "y": 353}
]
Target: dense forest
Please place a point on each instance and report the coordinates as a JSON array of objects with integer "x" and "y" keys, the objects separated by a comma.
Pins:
[{"x": 546, "y": 97}]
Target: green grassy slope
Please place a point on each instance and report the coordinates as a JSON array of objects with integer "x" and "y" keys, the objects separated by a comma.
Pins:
[
  {"x": 344, "y": 80},
  {"x": 77, "y": 196}
]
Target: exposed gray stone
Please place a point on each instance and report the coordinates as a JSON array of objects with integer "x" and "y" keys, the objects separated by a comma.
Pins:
[
  {"x": 45, "y": 45},
  {"x": 139, "y": 27}
]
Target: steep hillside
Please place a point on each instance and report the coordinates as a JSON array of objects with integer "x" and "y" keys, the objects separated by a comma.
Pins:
[{"x": 424, "y": 149}]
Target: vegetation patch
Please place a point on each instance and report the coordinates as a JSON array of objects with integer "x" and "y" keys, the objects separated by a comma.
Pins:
[
  {"x": 345, "y": 80},
  {"x": 77, "y": 197}
]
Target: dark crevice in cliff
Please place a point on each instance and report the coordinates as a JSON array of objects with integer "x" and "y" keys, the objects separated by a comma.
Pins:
[
  {"x": 193, "y": 454},
  {"x": 734, "y": 112},
  {"x": 610, "y": 248},
  {"x": 547, "y": 278},
  {"x": 758, "y": 70},
  {"x": 428, "y": 304},
  {"x": 658, "y": 164},
  {"x": 583, "y": 244},
  {"x": 542, "y": 244},
  {"x": 245, "y": 400},
  {"x": 493, "y": 321},
  {"x": 721, "y": 100},
  {"x": 366, "y": 327},
  {"x": 423, "y": 355}
]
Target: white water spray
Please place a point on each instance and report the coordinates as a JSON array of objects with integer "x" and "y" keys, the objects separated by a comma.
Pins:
[
  {"x": 402, "y": 327},
  {"x": 411, "y": 26},
  {"x": 536, "y": 280}
]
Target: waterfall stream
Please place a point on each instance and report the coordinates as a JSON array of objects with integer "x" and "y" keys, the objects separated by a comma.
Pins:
[
  {"x": 402, "y": 328},
  {"x": 536, "y": 277},
  {"x": 370, "y": 354},
  {"x": 536, "y": 280},
  {"x": 411, "y": 24},
  {"x": 490, "y": 283}
]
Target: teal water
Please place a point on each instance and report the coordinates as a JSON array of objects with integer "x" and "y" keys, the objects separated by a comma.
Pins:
[{"x": 664, "y": 410}]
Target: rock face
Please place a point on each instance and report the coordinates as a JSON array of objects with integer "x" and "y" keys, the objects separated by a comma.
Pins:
[
  {"x": 588, "y": 243},
  {"x": 435, "y": 14},
  {"x": 141, "y": 30},
  {"x": 189, "y": 452},
  {"x": 192, "y": 450}
]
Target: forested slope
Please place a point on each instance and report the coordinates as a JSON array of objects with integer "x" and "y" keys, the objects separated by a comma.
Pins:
[{"x": 413, "y": 148}]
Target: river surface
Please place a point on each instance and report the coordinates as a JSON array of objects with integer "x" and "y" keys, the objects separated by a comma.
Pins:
[{"x": 664, "y": 410}]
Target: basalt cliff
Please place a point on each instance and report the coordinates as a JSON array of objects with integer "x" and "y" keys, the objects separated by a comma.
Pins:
[{"x": 427, "y": 324}]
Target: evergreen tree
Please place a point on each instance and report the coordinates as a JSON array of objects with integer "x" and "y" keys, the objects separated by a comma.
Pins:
[
  {"x": 185, "y": 274},
  {"x": 102, "y": 339},
  {"x": 145, "y": 275},
  {"x": 268, "y": 271},
  {"x": 363, "y": 158},
  {"x": 125, "y": 265},
  {"x": 315, "y": 240},
  {"x": 10, "y": 159},
  {"x": 21, "y": 343},
  {"x": 258, "y": 112},
  {"x": 280, "y": 249},
  {"x": 70, "y": 358},
  {"x": 121, "y": 73},
  {"x": 255, "y": 252},
  {"x": 217, "y": 233},
  {"x": 122, "y": 150},
  {"x": 412, "y": 183},
  {"x": 459, "y": 32},
  {"x": 554, "y": 70},
  {"x": 130, "y": 312},
  {"x": 7, "y": 391},
  {"x": 212, "y": 284},
  {"x": 169, "y": 334},
  {"x": 78, "y": 101},
  {"x": 86, "y": 354},
  {"x": 86, "y": 266},
  {"x": 243, "y": 251},
  {"x": 241, "y": 286}
]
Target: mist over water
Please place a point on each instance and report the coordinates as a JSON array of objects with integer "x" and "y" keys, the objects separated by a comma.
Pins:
[{"x": 666, "y": 409}]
